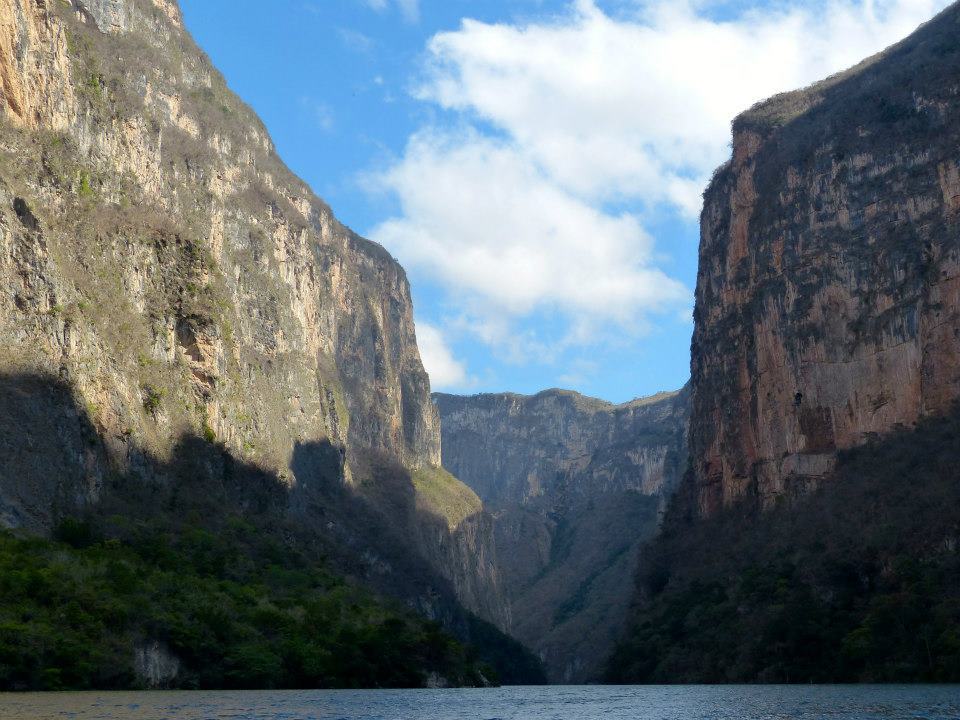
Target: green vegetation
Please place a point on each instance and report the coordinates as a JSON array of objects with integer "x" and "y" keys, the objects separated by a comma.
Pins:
[
  {"x": 441, "y": 493},
  {"x": 152, "y": 399},
  {"x": 858, "y": 582},
  {"x": 209, "y": 434},
  {"x": 236, "y": 607}
]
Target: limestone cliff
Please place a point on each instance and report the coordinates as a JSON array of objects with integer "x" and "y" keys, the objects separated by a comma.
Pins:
[
  {"x": 828, "y": 292},
  {"x": 575, "y": 485},
  {"x": 158, "y": 258}
]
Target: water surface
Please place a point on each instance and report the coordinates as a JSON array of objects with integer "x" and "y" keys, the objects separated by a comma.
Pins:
[{"x": 754, "y": 702}]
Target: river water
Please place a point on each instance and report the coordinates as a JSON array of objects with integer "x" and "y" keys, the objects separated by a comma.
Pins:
[{"x": 755, "y": 702}]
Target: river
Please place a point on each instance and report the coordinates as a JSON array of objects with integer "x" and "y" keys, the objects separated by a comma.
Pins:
[{"x": 754, "y": 702}]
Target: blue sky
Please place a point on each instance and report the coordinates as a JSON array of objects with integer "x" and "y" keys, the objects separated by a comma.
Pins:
[{"x": 536, "y": 165}]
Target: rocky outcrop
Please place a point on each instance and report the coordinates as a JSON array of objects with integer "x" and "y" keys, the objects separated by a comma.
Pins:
[
  {"x": 828, "y": 292},
  {"x": 575, "y": 485},
  {"x": 155, "y": 666},
  {"x": 159, "y": 260}
]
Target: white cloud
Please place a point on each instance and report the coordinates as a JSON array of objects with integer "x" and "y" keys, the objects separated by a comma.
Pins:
[
  {"x": 591, "y": 112},
  {"x": 485, "y": 220},
  {"x": 445, "y": 371},
  {"x": 319, "y": 112},
  {"x": 410, "y": 9},
  {"x": 640, "y": 108},
  {"x": 579, "y": 372},
  {"x": 356, "y": 41}
]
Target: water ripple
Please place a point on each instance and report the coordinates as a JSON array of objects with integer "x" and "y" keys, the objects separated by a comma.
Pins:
[{"x": 754, "y": 702}]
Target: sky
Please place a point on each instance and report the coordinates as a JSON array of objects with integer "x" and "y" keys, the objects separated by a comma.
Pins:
[{"x": 536, "y": 166}]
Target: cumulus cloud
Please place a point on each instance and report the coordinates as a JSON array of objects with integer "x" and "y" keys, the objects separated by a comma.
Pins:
[
  {"x": 489, "y": 223},
  {"x": 640, "y": 107},
  {"x": 445, "y": 371},
  {"x": 561, "y": 137}
]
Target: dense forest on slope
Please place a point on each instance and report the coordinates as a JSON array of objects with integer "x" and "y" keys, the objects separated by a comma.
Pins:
[
  {"x": 218, "y": 597},
  {"x": 859, "y": 581},
  {"x": 204, "y": 571},
  {"x": 236, "y": 608}
]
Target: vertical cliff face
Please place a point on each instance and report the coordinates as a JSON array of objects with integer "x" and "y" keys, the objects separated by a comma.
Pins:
[
  {"x": 575, "y": 486},
  {"x": 159, "y": 260},
  {"x": 148, "y": 220},
  {"x": 512, "y": 448},
  {"x": 828, "y": 292}
]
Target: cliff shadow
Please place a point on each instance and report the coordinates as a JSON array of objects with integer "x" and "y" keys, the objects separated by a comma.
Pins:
[
  {"x": 52, "y": 459},
  {"x": 62, "y": 473},
  {"x": 403, "y": 545},
  {"x": 55, "y": 462},
  {"x": 856, "y": 581},
  {"x": 404, "y": 549}
]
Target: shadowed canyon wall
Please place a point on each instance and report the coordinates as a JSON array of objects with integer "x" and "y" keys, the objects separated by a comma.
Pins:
[
  {"x": 575, "y": 485},
  {"x": 814, "y": 539}
]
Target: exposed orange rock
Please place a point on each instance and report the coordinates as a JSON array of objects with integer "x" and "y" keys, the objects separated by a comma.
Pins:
[{"x": 827, "y": 295}]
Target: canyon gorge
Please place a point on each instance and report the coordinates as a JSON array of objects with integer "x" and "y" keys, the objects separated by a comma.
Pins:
[
  {"x": 194, "y": 350},
  {"x": 575, "y": 486}
]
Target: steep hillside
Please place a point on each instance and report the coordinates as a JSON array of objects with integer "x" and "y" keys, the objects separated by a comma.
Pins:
[
  {"x": 814, "y": 537},
  {"x": 167, "y": 279},
  {"x": 859, "y": 581},
  {"x": 828, "y": 292},
  {"x": 575, "y": 485}
]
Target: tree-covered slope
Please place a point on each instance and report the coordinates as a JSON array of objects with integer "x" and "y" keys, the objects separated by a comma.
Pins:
[
  {"x": 202, "y": 570},
  {"x": 859, "y": 581},
  {"x": 150, "y": 604}
]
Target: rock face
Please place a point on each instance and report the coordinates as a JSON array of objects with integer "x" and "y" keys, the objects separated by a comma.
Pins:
[
  {"x": 828, "y": 293},
  {"x": 155, "y": 666},
  {"x": 158, "y": 259},
  {"x": 576, "y": 486}
]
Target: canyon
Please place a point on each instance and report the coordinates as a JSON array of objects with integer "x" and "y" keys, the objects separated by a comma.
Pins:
[
  {"x": 575, "y": 486},
  {"x": 187, "y": 333}
]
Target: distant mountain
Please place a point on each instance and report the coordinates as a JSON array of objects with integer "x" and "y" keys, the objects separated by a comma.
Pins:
[{"x": 575, "y": 486}]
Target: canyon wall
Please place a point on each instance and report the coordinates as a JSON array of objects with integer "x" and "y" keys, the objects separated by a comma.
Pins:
[
  {"x": 159, "y": 260},
  {"x": 575, "y": 485},
  {"x": 828, "y": 291}
]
